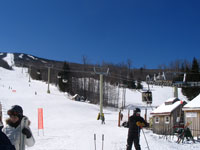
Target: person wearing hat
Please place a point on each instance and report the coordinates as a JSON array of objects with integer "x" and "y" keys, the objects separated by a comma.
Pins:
[
  {"x": 13, "y": 128},
  {"x": 135, "y": 123}
]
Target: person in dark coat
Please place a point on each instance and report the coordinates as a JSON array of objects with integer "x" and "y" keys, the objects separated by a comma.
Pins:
[
  {"x": 5, "y": 143},
  {"x": 135, "y": 123}
]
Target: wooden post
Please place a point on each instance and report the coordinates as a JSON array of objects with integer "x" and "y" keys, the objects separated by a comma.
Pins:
[{"x": 119, "y": 118}]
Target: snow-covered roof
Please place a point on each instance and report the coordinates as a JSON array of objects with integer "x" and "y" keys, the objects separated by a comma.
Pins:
[
  {"x": 194, "y": 104},
  {"x": 164, "y": 109}
]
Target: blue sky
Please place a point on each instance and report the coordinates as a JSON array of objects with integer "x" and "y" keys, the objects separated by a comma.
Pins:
[{"x": 147, "y": 32}]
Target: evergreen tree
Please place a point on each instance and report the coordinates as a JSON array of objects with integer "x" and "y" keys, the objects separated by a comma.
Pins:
[
  {"x": 195, "y": 70},
  {"x": 191, "y": 92},
  {"x": 192, "y": 76}
]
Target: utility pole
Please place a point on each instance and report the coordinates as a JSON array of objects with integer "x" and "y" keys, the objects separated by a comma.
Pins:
[
  {"x": 101, "y": 92},
  {"x": 147, "y": 96},
  {"x": 49, "y": 76},
  {"x": 175, "y": 91}
]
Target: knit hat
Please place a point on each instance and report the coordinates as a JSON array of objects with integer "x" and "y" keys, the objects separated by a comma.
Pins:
[
  {"x": 137, "y": 110},
  {"x": 16, "y": 110}
]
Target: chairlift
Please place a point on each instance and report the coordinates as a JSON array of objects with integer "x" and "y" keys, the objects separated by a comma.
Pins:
[
  {"x": 147, "y": 97},
  {"x": 58, "y": 76},
  {"x": 64, "y": 80}
]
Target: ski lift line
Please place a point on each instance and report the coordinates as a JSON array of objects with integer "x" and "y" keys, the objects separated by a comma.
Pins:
[
  {"x": 68, "y": 70},
  {"x": 90, "y": 72},
  {"x": 120, "y": 78},
  {"x": 176, "y": 72},
  {"x": 182, "y": 72},
  {"x": 114, "y": 76},
  {"x": 52, "y": 66},
  {"x": 120, "y": 75}
]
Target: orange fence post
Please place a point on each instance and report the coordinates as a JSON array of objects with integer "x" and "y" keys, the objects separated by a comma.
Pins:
[{"x": 40, "y": 120}]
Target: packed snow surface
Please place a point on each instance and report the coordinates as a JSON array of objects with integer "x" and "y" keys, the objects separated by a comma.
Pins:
[{"x": 71, "y": 125}]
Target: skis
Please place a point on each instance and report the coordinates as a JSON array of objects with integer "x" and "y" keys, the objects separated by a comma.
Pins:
[
  {"x": 24, "y": 123},
  {"x": 95, "y": 144}
]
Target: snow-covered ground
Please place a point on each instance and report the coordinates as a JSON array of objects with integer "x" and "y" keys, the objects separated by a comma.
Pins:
[{"x": 71, "y": 125}]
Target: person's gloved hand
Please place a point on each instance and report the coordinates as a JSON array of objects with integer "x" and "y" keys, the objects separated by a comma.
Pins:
[
  {"x": 139, "y": 124},
  {"x": 26, "y": 132}
]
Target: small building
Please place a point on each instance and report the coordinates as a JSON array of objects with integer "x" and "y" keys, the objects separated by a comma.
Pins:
[
  {"x": 192, "y": 115},
  {"x": 167, "y": 115}
]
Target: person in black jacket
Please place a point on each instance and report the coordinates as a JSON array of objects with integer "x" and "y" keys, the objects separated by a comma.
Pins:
[
  {"x": 5, "y": 143},
  {"x": 135, "y": 123}
]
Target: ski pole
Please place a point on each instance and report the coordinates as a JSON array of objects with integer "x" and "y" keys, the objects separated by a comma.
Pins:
[
  {"x": 145, "y": 139},
  {"x": 95, "y": 141},
  {"x": 102, "y": 141}
]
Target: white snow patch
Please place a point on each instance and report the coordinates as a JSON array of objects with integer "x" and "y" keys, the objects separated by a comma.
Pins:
[
  {"x": 21, "y": 55},
  {"x": 32, "y": 57},
  {"x": 9, "y": 59}
]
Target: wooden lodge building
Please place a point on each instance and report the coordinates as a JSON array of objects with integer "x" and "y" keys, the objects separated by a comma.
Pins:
[
  {"x": 167, "y": 115},
  {"x": 192, "y": 115}
]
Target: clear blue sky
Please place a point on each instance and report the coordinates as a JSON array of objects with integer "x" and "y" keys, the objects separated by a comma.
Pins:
[{"x": 148, "y": 32}]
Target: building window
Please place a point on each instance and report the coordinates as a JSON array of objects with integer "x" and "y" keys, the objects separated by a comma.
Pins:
[
  {"x": 157, "y": 119},
  {"x": 167, "y": 119}
]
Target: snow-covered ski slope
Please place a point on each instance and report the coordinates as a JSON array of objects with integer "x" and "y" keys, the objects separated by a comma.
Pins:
[{"x": 71, "y": 125}]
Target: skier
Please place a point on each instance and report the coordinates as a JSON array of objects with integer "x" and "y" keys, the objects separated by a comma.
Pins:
[
  {"x": 18, "y": 134},
  {"x": 135, "y": 123}
]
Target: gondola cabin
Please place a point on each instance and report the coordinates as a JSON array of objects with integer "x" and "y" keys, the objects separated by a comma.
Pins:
[{"x": 147, "y": 97}]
